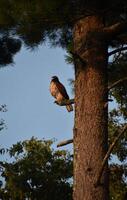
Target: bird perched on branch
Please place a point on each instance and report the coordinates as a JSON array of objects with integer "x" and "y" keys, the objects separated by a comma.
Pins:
[{"x": 59, "y": 92}]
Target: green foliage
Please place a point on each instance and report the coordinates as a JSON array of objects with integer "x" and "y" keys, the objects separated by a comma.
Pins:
[
  {"x": 37, "y": 172},
  {"x": 8, "y": 48},
  {"x": 35, "y": 21},
  {"x": 3, "y": 108},
  {"x": 118, "y": 187},
  {"x": 117, "y": 70}
]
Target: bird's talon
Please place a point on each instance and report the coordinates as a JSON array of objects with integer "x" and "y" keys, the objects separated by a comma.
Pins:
[{"x": 56, "y": 102}]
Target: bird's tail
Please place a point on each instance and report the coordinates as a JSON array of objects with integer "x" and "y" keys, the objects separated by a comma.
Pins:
[{"x": 69, "y": 108}]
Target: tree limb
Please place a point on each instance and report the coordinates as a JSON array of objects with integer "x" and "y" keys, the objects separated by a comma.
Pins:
[
  {"x": 65, "y": 142},
  {"x": 117, "y": 50},
  {"x": 71, "y": 101},
  {"x": 106, "y": 104},
  {"x": 116, "y": 29},
  {"x": 116, "y": 83},
  {"x": 109, "y": 152},
  {"x": 65, "y": 102}
]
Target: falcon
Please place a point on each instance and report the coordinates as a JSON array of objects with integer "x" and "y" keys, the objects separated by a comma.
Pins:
[{"x": 59, "y": 92}]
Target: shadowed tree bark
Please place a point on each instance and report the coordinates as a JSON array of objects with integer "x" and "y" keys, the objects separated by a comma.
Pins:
[{"x": 90, "y": 132}]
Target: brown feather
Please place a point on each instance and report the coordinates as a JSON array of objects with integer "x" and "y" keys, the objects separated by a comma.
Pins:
[
  {"x": 59, "y": 92},
  {"x": 62, "y": 90}
]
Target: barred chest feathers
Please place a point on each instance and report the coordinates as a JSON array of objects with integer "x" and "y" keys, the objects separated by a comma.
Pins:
[{"x": 55, "y": 92}]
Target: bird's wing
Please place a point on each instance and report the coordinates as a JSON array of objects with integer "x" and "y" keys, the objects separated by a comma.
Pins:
[{"x": 62, "y": 90}]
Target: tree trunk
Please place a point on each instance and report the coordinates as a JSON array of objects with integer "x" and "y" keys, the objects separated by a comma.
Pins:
[{"x": 90, "y": 130}]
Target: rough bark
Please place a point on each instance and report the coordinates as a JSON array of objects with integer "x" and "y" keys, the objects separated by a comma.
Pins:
[{"x": 90, "y": 130}]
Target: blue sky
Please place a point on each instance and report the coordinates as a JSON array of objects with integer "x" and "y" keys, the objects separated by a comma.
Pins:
[{"x": 24, "y": 88}]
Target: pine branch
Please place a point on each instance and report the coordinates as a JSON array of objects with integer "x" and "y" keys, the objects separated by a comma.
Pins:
[
  {"x": 65, "y": 142},
  {"x": 65, "y": 102},
  {"x": 71, "y": 101},
  {"x": 115, "y": 29},
  {"x": 116, "y": 83},
  {"x": 77, "y": 56},
  {"x": 121, "y": 132},
  {"x": 117, "y": 50},
  {"x": 112, "y": 86}
]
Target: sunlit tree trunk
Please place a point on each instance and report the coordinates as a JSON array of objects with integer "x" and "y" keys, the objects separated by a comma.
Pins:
[{"x": 90, "y": 130}]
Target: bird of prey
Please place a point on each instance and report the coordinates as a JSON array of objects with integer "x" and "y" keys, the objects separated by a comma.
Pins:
[{"x": 59, "y": 92}]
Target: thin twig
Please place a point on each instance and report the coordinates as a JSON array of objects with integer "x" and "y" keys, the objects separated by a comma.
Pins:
[
  {"x": 109, "y": 152},
  {"x": 116, "y": 83},
  {"x": 106, "y": 104},
  {"x": 110, "y": 100},
  {"x": 65, "y": 142}
]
